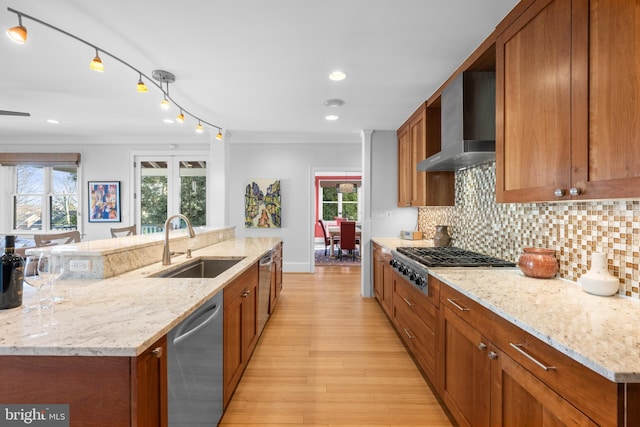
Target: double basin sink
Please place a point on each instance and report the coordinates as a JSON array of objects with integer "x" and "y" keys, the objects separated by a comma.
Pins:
[{"x": 201, "y": 268}]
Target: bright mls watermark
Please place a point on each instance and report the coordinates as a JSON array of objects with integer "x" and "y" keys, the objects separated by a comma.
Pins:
[{"x": 34, "y": 415}]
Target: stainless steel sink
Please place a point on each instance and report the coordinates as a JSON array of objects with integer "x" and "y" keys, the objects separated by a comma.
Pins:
[{"x": 201, "y": 268}]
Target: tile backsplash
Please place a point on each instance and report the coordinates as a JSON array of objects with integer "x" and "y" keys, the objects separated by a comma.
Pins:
[{"x": 574, "y": 230}]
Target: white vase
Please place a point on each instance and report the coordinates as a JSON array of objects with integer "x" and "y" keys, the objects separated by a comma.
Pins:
[{"x": 597, "y": 280}]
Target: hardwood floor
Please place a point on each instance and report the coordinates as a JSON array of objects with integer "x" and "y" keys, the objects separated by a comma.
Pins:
[{"x": 329, "y": 357}]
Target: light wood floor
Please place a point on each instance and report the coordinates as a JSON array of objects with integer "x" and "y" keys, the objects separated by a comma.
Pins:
[{"x": 329, "y": 357}]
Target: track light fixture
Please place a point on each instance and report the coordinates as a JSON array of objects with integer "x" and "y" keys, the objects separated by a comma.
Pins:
[
  {"x": 19, "y": 35},
  {"x": 96, "y": 63},
  {"x": 142, "y": 88}
]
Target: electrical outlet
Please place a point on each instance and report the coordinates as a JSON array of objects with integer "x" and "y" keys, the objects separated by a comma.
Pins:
[{"x": 80, "y": 265}]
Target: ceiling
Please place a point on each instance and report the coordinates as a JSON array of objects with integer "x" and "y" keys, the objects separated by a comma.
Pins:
[{"x": 242, "y": 65}]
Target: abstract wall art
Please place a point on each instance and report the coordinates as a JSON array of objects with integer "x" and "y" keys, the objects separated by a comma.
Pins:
[{"x": 262, "y": 203}]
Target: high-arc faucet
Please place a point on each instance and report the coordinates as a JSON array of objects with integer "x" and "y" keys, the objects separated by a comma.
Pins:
[{"x": 166, "y": 255}]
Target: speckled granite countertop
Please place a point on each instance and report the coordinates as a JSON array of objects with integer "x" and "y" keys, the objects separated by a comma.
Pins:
[
  {"x": 122, "y": 315},
  {"x": 601, "y": 333}
]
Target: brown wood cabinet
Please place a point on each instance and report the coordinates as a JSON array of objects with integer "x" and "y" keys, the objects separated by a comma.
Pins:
[
  {"x": 276, "y": 277},
  {"x": 567, "y": 115},
  {"x": 100, "y": 391},
  {"x": 418, "y": 138},
  {"x": 382, "y": 278},
  {"x": 493, "y": 373},
  {"x": 240, "y": 327}
]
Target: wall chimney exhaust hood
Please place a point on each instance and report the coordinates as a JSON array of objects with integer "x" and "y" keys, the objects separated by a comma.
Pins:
[{"x": 468, "y": 119}]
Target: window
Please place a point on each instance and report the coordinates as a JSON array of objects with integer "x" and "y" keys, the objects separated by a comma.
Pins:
[
  {"x": 336, "y": 204},
  {"x": 45, "y": 198}
]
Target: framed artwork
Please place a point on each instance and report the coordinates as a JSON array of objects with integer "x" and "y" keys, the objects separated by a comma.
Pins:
[
  {"x": 104, "y": 201},
  {"x": 262, "y": 203}
]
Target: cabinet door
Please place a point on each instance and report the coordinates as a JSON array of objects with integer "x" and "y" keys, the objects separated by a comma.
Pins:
[
  {"x": 387, "y": 285},
  {"x": 418, "y": 137},
  {"x": 250, "y": 332},
  {"x": 465, "y": 371},
  {"x": 518, "y": 398},
  {"x": 405, "y": 174},
  {"x": 606, "y": 160},
  {"x": 533, "y": 104},
  {"x": 150, "y": 390},
  {"x": 377, "y": 273},
  {"x": 233, "y": 364}
]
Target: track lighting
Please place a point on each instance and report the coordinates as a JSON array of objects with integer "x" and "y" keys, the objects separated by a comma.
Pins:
[
  {"x": 142, "y": 88},
  {"x": 18, "y": 33},
  {"x": 96, "y": 63}
]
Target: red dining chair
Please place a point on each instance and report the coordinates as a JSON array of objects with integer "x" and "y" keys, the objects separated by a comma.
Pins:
[
  {"x": 348, "y": 238},
  {"x": 327, "y": 239}
]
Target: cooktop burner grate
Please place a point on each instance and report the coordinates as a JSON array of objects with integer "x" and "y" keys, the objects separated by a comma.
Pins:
[{"x": 451, "y": 257}]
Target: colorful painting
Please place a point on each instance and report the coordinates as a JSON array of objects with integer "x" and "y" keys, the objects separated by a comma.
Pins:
[
  {"x": 262, "y": 203},
  {"x": 104, "y": 201}
]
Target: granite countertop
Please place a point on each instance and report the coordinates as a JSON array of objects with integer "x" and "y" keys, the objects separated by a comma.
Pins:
[
  {"x": 601, "y": 333},
  {"x": 394, "y": 242},
  {"x": 122, "y": 315}
]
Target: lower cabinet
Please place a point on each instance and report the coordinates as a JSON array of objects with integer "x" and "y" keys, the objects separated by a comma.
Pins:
[
  {"x": 276, "y": 277},
  {"x": 100, "y": 390},
  {"x": 382, "y": 278},
  {"x": 240, "y": 327},
  {"x": 415, "y": 316}
]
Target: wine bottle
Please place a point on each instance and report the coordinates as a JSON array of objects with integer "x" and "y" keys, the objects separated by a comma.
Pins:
[{"x": 11, "y": 275}]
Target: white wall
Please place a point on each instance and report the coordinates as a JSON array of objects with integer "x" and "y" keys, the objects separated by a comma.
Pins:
[{"x": 293, "y": 163}]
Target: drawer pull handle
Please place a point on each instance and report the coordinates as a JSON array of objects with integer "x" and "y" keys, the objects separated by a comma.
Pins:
[
  {"x": 456, "y": 305},
  {"x": 408, "y": 333},
  {"x": 518, "y": 347},
  {"x": 409, "y": 303}
]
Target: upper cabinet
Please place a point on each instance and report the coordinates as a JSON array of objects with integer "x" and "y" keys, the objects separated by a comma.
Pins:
[
  {"x": 567, "y": 111},
  {"x": 418, "y": 138}
]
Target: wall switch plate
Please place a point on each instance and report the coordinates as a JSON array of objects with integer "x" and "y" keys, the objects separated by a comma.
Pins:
[{"x": 80, "y": 265}]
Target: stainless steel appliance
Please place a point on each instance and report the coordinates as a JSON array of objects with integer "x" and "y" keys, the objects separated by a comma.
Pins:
[
  {"x": 264, "y": 290},
  {"x": 194, "y": 365},
  {"x": 414, "y": 262}
]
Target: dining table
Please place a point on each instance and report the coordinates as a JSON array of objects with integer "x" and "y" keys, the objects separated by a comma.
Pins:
[{"x": 334, "y": 231}]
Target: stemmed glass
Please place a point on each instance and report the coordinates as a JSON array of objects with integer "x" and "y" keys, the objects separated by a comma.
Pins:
[
  {"x": 50, "y": 267},
  {"x": 34, "y": 279}
]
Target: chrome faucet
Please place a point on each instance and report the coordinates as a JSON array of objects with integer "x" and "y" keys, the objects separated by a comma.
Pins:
[{"x": 166, "y": 255}]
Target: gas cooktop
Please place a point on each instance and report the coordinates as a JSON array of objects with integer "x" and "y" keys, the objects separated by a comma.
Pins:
[{"x": 451, "y": 257}]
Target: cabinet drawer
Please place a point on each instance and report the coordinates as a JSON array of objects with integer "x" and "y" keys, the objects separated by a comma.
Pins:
[
  {"x": 244, "y": 283},
  {"x": 588, "y": 391},
  {"x": 419, "y": 337},
  {"x": 470, "y": 311}
]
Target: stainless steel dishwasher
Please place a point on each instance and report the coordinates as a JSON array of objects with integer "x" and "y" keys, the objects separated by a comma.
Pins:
[
  {"x": 194, "y": 365},
  {"x": 264, "y": 290}
]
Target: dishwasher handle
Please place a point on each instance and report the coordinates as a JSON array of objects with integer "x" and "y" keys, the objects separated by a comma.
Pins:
[
  {"x": 196, "y": 323},
  {"x": 266, "y": 260}
]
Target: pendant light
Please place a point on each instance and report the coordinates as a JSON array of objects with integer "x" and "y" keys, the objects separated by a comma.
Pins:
[
  {"x": 346, "y": 187},
  {"x": 96, "y": 63},
  {"x": 18, "y": 33},
  {"x": 142, "y": 88},
  {"x": 180, "y": 117},
  {"x": 199, "y": 128},
  {"x": 219, "y": 135}
]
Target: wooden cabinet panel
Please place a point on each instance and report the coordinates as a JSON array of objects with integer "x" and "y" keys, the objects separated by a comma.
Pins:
[
  {"x": 382, "y": 280},
  {"x": 418, "y": 138},
  {"x": 533, "y": 104},
  {"x": 276, "y": 277},
  {"x": 240, "y": 327},
  {"x": 518, "y": 398},
  {"x": 149, "y": 397},
  {"x": 465, "y": 371}
]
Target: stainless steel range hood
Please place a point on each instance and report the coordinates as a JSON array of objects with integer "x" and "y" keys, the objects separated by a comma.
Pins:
[{"x": 468, "y": 119}]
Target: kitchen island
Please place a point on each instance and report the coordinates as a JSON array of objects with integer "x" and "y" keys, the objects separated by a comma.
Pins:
[{"x": 101, "y": 349}]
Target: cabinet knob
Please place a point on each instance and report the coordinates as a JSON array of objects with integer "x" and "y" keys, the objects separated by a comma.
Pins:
[
  {"x": 246, "y": 293},
  {"x": 157, "y": 352},
  {"x": 482, "y": 346},
  {"x": 493, "y": 355},
  {"x": 559, "y": 192},
  {"x": 575, "y": 191}
]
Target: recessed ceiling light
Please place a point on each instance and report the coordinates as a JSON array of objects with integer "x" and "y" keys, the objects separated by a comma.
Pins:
[
  {"x": 168, "y": 121},
  {"x": 334, "y": 102},
  {"x": 331, "y": 117},
  {"x": 53, "y": 122},
  {"x": 336, "y": 76}
]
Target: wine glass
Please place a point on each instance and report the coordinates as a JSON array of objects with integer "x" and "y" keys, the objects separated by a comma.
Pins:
[
  {"x": 34, "y": 279},
  {"x": 50, "y": 267}
]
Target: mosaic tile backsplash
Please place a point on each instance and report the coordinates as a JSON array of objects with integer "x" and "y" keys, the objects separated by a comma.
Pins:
[{"x": 574, "y": 230}]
